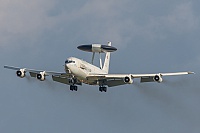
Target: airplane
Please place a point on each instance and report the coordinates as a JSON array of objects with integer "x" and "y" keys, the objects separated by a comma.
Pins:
[{"x": 78, "y": 71}]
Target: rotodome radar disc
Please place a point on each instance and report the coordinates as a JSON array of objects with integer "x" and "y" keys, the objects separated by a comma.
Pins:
[{"x": 99, "y": 48}]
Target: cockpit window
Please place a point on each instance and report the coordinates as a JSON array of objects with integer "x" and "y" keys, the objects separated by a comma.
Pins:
[{"x": 69, "y": 61}]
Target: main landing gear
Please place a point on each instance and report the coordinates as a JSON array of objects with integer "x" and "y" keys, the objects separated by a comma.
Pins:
[
  {"x": 73, "y": 81},
  {"x": 102, "y": 88},
  {"x": 73, "y": 87}
]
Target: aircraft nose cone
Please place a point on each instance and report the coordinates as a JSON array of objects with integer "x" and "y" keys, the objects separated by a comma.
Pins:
[{"x": 67, "y": 65}]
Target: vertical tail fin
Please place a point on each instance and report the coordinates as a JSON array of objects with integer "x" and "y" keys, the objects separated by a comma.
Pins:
[{"x": 107, "y": 60}]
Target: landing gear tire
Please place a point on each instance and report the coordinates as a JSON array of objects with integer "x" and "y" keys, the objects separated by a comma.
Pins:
[
  {"x": 76, "y": 88},
  {"x": 103, "y": 88},
  {"x": 100, "y": 89},
  {"x": 73, "y": 88}
]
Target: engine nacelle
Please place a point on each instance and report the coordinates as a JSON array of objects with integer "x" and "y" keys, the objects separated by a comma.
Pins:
[
  {"x": 158, "y": 78},
  {"x": 128, "y": 79},
  {"x": 41, "y": 76},
  {"x": 21, "y": 73}
]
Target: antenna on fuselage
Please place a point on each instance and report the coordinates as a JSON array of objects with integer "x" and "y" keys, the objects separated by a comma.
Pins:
[
  {"x": 97, "y": 48},
  {"x": 93, "y": 57},
  {"x": 100, "y": 61}
]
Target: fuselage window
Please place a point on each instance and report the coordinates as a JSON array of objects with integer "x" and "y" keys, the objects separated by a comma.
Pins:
[{"x": 69, "y": 61}]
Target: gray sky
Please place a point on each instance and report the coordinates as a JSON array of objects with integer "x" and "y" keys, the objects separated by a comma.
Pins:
[{"x": 151, "y": 36}]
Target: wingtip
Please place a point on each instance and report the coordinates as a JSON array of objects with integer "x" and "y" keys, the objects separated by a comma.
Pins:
[{"x": 191, "y": 72}]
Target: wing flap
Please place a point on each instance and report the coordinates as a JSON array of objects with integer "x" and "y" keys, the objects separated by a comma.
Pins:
[
  {"x": 60, "y": 79},
  {"x": 64, "y": 80},
  {"x": 106, "y": 76},
  {"x": 33, "y": 74},
  {"x": 146, "y": 79},
  {"x": 112, "y": 83}
]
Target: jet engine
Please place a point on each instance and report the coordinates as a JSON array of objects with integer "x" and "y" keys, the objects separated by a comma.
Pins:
[
  {"x": 158, "y": 78},
  {"x": 41, "y": 76},
  {"x": 128, "y": 79},
  {"x": 21, "y": 73}
]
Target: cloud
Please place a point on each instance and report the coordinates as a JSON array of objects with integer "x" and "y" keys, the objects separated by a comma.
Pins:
[
  {"x": 23, "y": 19},
  {"x": 182, "y": 18},
  {"x": 143, "y": 29},
  {"x": 98, "y": 21},
  {"x": 106, "y": 20}
]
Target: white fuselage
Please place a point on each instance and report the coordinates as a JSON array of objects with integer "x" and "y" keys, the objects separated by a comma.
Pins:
[{"x": 82, "y": 69}]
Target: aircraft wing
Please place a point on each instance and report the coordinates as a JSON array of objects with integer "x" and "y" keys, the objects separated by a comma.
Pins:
[
  {"x": 56, "y": 76},
  {"x": 120, "y": 79},
  {"x": 33, "y": 71}
]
